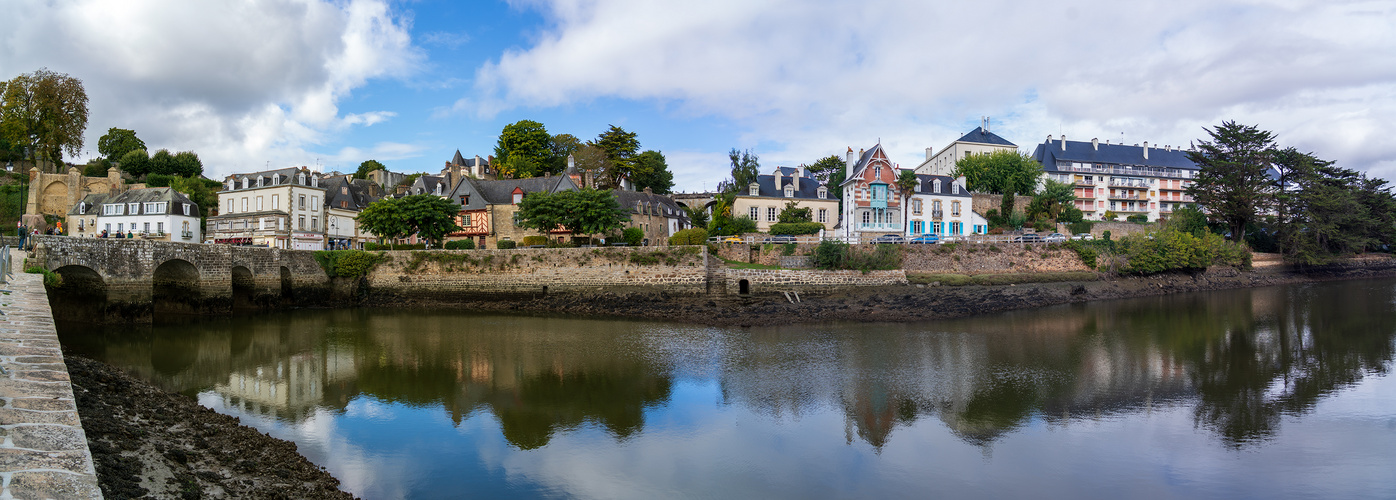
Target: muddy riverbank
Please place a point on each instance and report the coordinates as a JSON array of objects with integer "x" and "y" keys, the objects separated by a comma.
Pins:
[
  {"x": 148, "y": 443},
  {"x": 901, "y": 303}
]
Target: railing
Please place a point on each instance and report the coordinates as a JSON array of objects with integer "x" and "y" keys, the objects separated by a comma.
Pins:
[
  {"x": 854, "y": 240},
  {"x": 187, "y": 234},
  {"x": 1133, "y": 184},
  {"x": 937, "y": 214},
  {"x": 1137, "y": 197},
  {"x": 1181, "y": 174},
  {"x": 1083, "y": 182}
]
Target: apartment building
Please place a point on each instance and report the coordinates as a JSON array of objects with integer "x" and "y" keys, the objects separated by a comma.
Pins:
[
  {"x": 1124, "y": 180},
  {"x": 275, "y": 208}
]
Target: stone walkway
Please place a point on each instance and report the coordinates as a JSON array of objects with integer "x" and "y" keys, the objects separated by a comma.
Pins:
[{"x": 43, "y": 451}]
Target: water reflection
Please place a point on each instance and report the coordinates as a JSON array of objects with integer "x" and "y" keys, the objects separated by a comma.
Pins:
[{"x": 1238, "y": 361}]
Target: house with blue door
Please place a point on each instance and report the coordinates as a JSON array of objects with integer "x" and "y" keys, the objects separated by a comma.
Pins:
[{"x": 941, "y": 205}]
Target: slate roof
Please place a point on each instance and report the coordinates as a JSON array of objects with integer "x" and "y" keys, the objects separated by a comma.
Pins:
[
  {"x": 981, "y": 136},
  {"x": 501, "y": 192},
  {"x": 458, "y": 160},
  {"x": 809, "y": 187},
  {"x": 92, "y": 203},
  {"x": 667, "y": 206},
  {"x": 270, "y": 177},
  {"x": 359, "y": 193},
  {"x": 946, "y": 182},
  {"x": 429, "y": 184},
  {"x": 1115, "y": 155}
]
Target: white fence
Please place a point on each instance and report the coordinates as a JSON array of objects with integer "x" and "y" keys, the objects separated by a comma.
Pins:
[{"x": 853, "y": 240}]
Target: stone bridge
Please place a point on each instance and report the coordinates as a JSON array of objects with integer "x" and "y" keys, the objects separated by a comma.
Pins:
[{"x": 135, "y": 280}]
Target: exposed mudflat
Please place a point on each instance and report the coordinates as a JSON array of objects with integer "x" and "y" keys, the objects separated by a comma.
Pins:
[
  {"x": 148, "y": 443},
  {"x": 901, "y": 303}
]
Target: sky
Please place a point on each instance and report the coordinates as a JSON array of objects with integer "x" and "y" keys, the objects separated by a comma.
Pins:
[{"x": 257, "y": 84}]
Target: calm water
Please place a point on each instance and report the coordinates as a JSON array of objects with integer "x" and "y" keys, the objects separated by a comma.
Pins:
[{"x": 1269, "y": 393}]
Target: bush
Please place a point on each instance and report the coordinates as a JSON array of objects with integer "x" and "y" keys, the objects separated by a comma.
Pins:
[
  {"x": 829, "y": 254},
  {"x": 796, "y": 228},
  {"x": 374, "y": 247},
  {"x": 1016, "y": 220},
  {"x": 460, "y": 245},
  {"x": 633, "y": 236},
  {"x": 1111, "y": 215},
  {"x": 1173, "y": 250},
  {"x": 348, "y": 263},
  {"x": 505, "y": 244},
  {"x": 1080, "y": 227},
  {"x": 51, "y": 279},
  {"x": 1138, "y": 219},
  {"x": 839, "y": 255},
  {"x": 529, "y": 241},
  {"x": 694, "y": 236},
  {"x": 1087, "y": 254}
]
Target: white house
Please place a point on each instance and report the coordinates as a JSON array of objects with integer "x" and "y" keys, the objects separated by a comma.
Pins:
[
  {"x": 275, "y": 208},
  {"x": 152, "y": 213},
  {"x": 941, "y": 205},
  {"x": 979, "y": 141}
]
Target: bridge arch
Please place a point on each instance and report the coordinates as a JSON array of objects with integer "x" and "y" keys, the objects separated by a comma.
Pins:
[
  {"x": 175, "y": 288},
  {"x": 82, "y": 295},
  {"x": 244, "y": 288}
]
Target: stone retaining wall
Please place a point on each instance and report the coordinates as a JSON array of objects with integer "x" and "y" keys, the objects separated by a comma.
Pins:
[
  {"x": 445, "y": 275},
  {"x": 806, "y": 280},
  {"x": 43, "y": 449},
  {"x": 997, "y": 258}
]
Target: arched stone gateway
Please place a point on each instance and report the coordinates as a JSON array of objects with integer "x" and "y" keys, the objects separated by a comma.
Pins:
[{"x": 175, "y": 289}]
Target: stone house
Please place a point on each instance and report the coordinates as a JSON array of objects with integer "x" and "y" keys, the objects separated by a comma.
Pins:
[
  {"x": 56, "y": 194},
  {"x": 764, "y": 199},
  {"x": 345, "y": 197},
  {"x": 279, "y": 208},
  {"x": 871, "y": 204},
  {"x": 150, "y": 213},
  {"x": 488, "y": 207},
  {"x": 656, "y": 214}
]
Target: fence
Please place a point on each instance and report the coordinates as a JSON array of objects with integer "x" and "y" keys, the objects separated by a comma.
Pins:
[{"x": 855, "y": 239}]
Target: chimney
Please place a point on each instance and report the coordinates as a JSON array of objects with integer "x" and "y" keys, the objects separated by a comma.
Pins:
[
  {"x": 648, "y": 190},
  {"x": 1095, "y": 144},
  {"x": 1049, "y": 138},
  {"x": 1063, "y": 142},
  {"x": 571, "y": 162},
  {"x": 928, "y": 153},
  {"x": 1146, "y": 150},
  {"x": 795, "y": 179},
  {"x": 848, "y": 164},
  {"x": 963, "y": 181}
]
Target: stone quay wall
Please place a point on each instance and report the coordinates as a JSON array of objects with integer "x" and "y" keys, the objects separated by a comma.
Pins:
[
  {"x": 43, "y": 449},
  {"x": 446, "y": 275},
  {"x": 807, "y": 280},
  {"x": 991, "y": 258}
]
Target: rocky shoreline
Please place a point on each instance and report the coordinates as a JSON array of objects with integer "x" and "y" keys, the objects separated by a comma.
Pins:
[
  {"x": 148, "y": 443},
  {"x": 903, "y": 303}
]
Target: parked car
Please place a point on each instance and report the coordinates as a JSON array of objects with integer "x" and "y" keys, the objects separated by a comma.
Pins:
[
  {"x": 1028, "y": 238},
  {"x": 889, "y": 238},
  {"x": 926, "y": 239},
  {"x": 732, "y": 239},
  {"x": 1082, "y": 237},
  {"x": 779, "y": 239},
  {"x": 1055, "y": 238}
]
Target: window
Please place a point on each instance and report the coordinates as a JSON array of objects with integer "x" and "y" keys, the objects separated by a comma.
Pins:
[
  {"x": 464, "y": 200},
  {"x": 343, "y": 204},
  {"x": 157, "y": 207},
  {"x": 916, "y": 207},
  {"x": 867, "y": 218},
  {"x": 937, "y": 186},
  {"x": 186, "y": 208},
  {"x": 133, "y": 208},
  {"x": 301, "y": 224},
  {"x": 518, "y": 198},
  {"x": 955, "y": 209},
  {"x": 314, "y": 223},
  {"x": 302, "y": 198},
  {"x": 935, "y": 227},
  {"x": 259, "y": 204},
  {"x": 465, "y": 221},
  {"x": 160, "y": 227},
  {"x": 108, "y": 228},
  {"x": 344, "y": 190},
  {"x": 114, "y": 209},
  {"x": 789, "y": 191},
  {"x": 823, "y": 192},
  {"x": 935, "y": 208},
  {"x": 314, "y": 202},
  {"x": 823, "y": 215},
  {"x": 754, "y": 213},
  {"x": 244, "y": 204},
  {"x": 754, "y": 189},
  {"x": 915, "y": 227},
  {"x": 275, "y": 201},
  {"x": 770, "y": 214}
]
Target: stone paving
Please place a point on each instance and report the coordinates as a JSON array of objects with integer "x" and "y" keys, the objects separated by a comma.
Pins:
[{"x": 43, "y": 450}]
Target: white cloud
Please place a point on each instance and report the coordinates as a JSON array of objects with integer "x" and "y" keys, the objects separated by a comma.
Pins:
[
  {"x": 240, "y": 83},
  {"x": 813, "y": 77}
]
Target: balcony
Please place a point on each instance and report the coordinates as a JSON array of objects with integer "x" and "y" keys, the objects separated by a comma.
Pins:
[
  {"x": 1139, "y": 172},
  {"x": 1136, "y": 197},
  {"x": 1084, "y": 182},
  {"x": 872, "y": 226},
  {"x": 1130, "y": 183},
  {"x": 937, "y": 214},
  {"x": 187, "y": 234}
]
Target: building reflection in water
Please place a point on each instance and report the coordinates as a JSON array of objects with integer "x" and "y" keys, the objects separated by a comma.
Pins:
[{"x": 1240, "y": 359}]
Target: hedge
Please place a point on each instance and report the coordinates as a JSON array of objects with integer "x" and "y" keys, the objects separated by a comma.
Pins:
[
  {"x": 1171, "y": 250},
  {"x": 796, "y": 228},
  {"x": 695, "y": 236},
  {"x": 348, "y": 263},
  {"x": 505, "y": 244},
  {"x": 373, "y": 247},
  {"x": 460, "y": 245},
  {"x": 633, "y": 236}
]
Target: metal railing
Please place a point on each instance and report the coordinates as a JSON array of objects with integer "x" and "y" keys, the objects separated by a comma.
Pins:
[{"x": 854, "y": 240}]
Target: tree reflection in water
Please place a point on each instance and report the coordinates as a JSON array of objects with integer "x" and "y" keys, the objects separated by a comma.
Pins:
[{"x": 1242, "y": 359}]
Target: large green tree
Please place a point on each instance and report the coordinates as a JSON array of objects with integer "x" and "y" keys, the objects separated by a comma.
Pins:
[
  {"x": 652, "y": 171},
  {"x": 1233, "y": 180},
  {"x": 430, "y": 217},
  {"x": 1000, "y": 172},
  {"x": 384, "y": 218},
  {"x": 1053, "y": 200},
  {"x": 583, "y": 211},
  {"x": 831, "y": 171},
  {"x": 621, "y": 148},
  {"x": 525, "y": 139},
  {"x": 746, "y": 166},
  {"x": 45, "y": 113},
  {"x": 117, "y": 142},
  {"x": 136, "y": 163},
  {"x": 563, "y": 145},
  {"x": 366, "y": 167},
  {"x": 592, "y": 161}
]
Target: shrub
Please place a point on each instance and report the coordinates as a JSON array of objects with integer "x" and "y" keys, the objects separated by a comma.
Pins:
[
  {"x": 1080, "y": 227},
  {"x": 839, "y": 255},
  {"x": 1138, "y": 219},
  {"x": 1111, "y": 215},
  {"x": 51, "y": 279},
  {"x": 505, "y": 244},
  {"x": 633, "y": 236},
  {"x": 829, "y": 254},
  {"x": 1172, "y": 250},
  {"x": 796, "y": 228},
  {"x": 1087, "y": 254},
  {"x": 348, "y": 263},
  {"x": 788, "y": 249},
  {"x": 529, "y": 241},
  {"x": 694, "y": 236},
  {"x": 374, "y": 247},
  {"x": 460, "y": 245},
  {"x": 1106, "y": 235}
]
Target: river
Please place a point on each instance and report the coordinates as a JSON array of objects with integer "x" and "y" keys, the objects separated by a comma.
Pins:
[{"x": 1280, "y": 392}]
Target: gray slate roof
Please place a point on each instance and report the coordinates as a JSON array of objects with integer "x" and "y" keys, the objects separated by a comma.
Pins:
[
  {"x": 278, "y": 176},
  {"x": 92, "y": 203},
  {"x": 928, "y": 185},
  {"x": 501, "y": 192},
  {"x": 634, "y": 200},
  {"x": 809, "y": 187},
  {"x": 1049, "y": 153},
  {"x": 358, "y": 196},
  {"x": 981, "y": 136},
  {"x": 861, "y": 165}
]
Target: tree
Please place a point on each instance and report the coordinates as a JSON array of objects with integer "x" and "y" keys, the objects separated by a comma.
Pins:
[
  {"x": 203, "y": 192},
  {"x": 592, "y": 160},
  {"x": 1233, "y": 179},
  {"x": 583, "y": 211},
  {"x": 430, "y": 217},
  {"x": 385, "y": 219},
  {"x": 96, "y": 167},
  {"x": 366, "y": 167},
  {"x": 517, "y": 167},
  {"x": 162, "y": 162},
  {"x": 188, "y": 164},
  {"x": 136, "y": 163},
  {"x": 830, "y": 170},
  {"x": 697, "y": 216},
  {"x": 1000, "y": 172},
  {"x": 117, "y": 142},
  {"x": 563, "y": 145},
  {"x": 524, "y": 139},
  {"x": 745, "y": 169},
  {"x": 1052, "y": 200},
  {"x": 906, "y": 184},
  {"x": 621, "y": 147},
  {"x": 651, "y": 171},
  {"x": 45, "y": 113},
  {"x": 792, "y": 213}
]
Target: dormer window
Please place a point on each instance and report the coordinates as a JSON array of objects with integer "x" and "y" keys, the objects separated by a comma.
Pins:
[
  {"x": 823, "y": 192},
  {"x": 789, "y": 191},
  {"x": 754, "y": 189},
  {"x": 518, "y": 196},
  {"x": 937, "y": 186},
  {"x": 917, "y": 188},
  {"x": 133, "y": 208}
]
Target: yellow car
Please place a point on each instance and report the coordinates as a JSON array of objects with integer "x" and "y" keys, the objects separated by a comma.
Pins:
[{"x": 733, "y": 239}]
